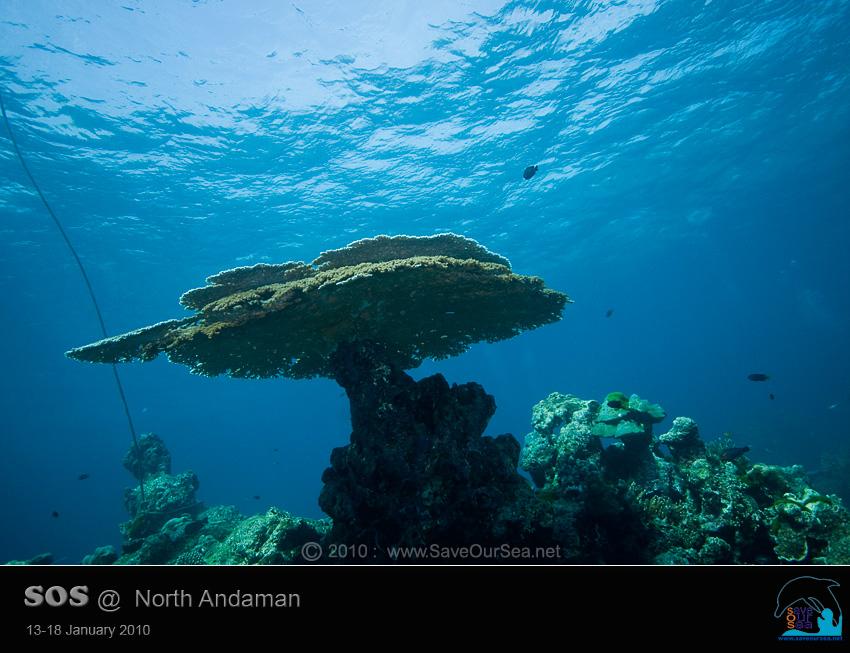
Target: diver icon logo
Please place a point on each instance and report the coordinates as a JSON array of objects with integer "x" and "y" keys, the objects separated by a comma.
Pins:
[{"x": 808, "y": 609}]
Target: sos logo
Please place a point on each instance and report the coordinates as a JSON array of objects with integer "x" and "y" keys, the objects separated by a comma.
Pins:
[{"x": 56, "y": 596}]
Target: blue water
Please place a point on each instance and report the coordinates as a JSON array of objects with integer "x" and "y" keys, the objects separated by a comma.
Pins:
[{"x": 694, "y": 167}]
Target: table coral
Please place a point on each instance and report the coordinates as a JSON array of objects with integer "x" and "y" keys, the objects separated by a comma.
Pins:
[{"x": 429, "y": 297}]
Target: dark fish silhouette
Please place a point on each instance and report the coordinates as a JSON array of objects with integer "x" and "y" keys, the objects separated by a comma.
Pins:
[
  {"x": 529, "y": 172},
  {"x": 54, "y": 514},
  {"x": 609, "y": 312},
  {"x": 257, "y": 497},
  {"x": 732, "y": 453},
  {"x": 772, "y": 396},
  {"x": 275, "y": 449},
  {"x": 83, "y": 477},
  {"x": 757, "y": 377}
]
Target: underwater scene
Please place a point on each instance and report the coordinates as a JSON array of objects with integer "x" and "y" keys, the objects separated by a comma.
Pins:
[{"x": 392, "y": 282}]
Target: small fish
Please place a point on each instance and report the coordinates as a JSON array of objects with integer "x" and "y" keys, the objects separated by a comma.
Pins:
[
  {"x": 733, "y": 453},
  {"x": 832, "y": 406},
  {"x": 529, "y": 172},
  {"x": 257, "y": 497},
  {"x": 54, "y": 514},
  {"x": 758, "y": 377},
  {"x": 275, "y": 449},
  {"x": 772, "y": 396},
  {"x": 83, "y": 477},
  {"x": 609, "y": 312}
]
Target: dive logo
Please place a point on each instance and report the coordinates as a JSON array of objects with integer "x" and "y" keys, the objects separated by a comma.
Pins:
[
  {"x": 809, "y": 610},
  {"x": 56, "y": 596}
]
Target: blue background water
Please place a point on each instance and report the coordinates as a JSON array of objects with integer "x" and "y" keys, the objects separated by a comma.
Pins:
[{"x": 694, "y": 162}]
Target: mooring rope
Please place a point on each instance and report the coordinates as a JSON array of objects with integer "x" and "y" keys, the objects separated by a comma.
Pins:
[{"x": 89, "y": 287}]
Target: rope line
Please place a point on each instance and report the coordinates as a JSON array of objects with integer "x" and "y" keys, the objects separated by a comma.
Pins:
[{"x": 89, "y": 287}]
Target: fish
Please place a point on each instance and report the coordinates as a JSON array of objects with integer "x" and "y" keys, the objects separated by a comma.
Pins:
[
  {"x": 54, "y": 514},
  {"x": 772, "y": 396},
  {"x": 609, "y": 312},
  {"x": 732, "y": 453},
  {"x": 83, "y": 477},
  {"x": 257, "y": 497},
  {"x": 756, "y": 376},
  {"x": 529, "y": 172},
  {"x": 275, "y": 449}
]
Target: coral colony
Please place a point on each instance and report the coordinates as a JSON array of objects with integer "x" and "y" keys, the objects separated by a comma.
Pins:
[{"x": 418, "y": 473}]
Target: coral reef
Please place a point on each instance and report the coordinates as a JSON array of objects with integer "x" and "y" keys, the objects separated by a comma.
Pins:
[
  {"x": 683, "y": 440},
  {"x": 167, "y": 514},
  {"x": 429, "y": 297},
  {"x": 633, "y": 502},
  {"x": 166, "y": 497},
  {"x": 103, "y": 555},
  {"x": 240, "y": 279},
  {"x": 149, "y": 458},
  {"x": 833, "y": 475},
  {"x": 40, "y": 559},
  {"x": 222, "y": 536},
  {"x": 418, "y": 471},
  {"x": 171, "y": 527},
  {"x": 275, "y": 537},
  {"x": 392, "y": 248}
]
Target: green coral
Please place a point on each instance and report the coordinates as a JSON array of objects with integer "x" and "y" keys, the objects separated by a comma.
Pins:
[
  {"x": 617, "y": 400},
  {"x": 631, "y": 501},
  {"x": 622, "y": 429},
  {"x": 652, "y": 413},
  {"x": 801, "y": 524},
  {"x": 627, "y": 419}
]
